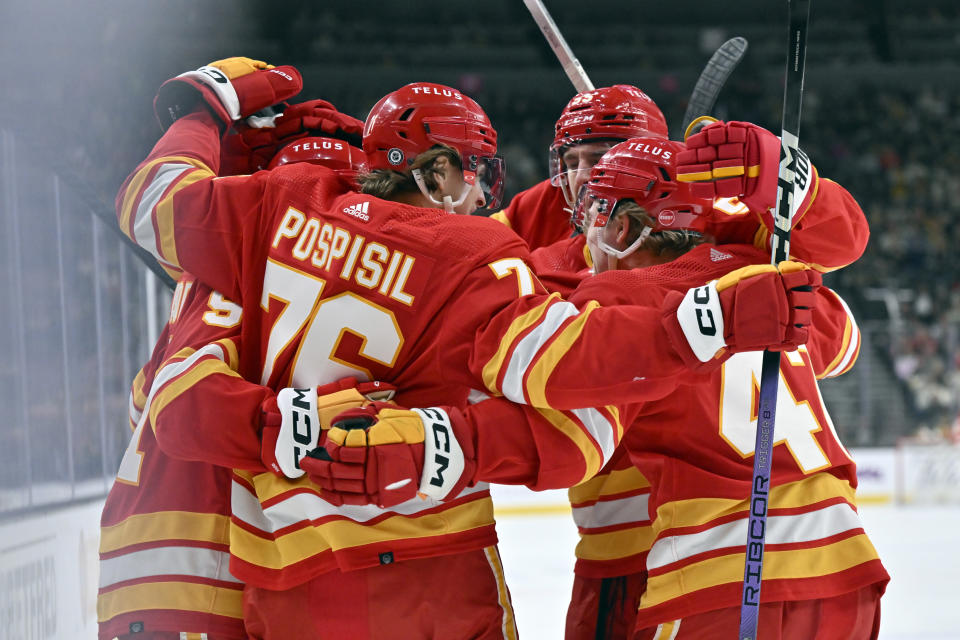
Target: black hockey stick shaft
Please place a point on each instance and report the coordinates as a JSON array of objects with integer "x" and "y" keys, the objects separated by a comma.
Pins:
[
  {"x": 714, "y": 75},
  {"x": 799, "y": 12}
]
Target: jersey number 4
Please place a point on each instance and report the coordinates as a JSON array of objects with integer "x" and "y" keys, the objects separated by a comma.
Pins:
[{"x": 796, "y": 424}]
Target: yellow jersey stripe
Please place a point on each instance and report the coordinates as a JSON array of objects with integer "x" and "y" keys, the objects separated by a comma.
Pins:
[
  {"x": 139, "y": 397},
  {"x": 501, "y": 217},
  {"x": 572, "y": 430},
  {"x": 613, "y": 545},
  {"x": 131, "y": 196},
  {"x": 165, "y": 525},
  {"x": 230, "y": 348},
  {"x": 503, "y": 595},
  {"x": 164, "y": 216},
  {"x": 844, "y": 344},
  {"x": 304, "y": 543},
  {"x": 699, "y": 511},
  {"x": 617, "y": 481},
  {"x": 814, "y": 562},
  {"x": 492, "y": 369},
  {"x": 178, "y": 596},
  {"x": 539, "y": 373},
  {"x": 194, "y": 374}
]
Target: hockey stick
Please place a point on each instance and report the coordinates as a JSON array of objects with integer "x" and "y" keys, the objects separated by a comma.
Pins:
[
  {"x": 799, "y": 12},
  {"x": 571, "y": 66},
  {"x": 721, "y": 64}
]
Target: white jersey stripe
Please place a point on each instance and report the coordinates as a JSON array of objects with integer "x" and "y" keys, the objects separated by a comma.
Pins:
[
  {"x": 600, "y": 429},
  {"x": 851, "y": 346},
  {"x": 307, "y": 506},
  {"x": 785, "y": 529},
  {"x": 607, "y": 513},
  {"x": 143, "y": 231},
  {"x": 527, "y": 348},
  {"x": 159, "y": 561}
]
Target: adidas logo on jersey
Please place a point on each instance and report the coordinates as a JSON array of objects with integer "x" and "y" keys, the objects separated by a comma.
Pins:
[
  {"x": 717, "y": 256},
  {"x": 358, "y": 211}
]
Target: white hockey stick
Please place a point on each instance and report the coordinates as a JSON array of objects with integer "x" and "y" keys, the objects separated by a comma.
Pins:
[{"x": 571, "y": 66}]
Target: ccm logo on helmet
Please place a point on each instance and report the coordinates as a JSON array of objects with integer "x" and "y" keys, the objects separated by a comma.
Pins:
[
  {"x": 449, "y": 93},
  {"x": 580, "y": 119},
  {"x": 701, "y": 296}
]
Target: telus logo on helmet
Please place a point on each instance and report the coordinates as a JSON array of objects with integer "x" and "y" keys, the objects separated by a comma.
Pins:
[
  {"x": 436, "y": 91},
  {"x": 318, "y": 145},
  {"x": 651, "y": 149}
]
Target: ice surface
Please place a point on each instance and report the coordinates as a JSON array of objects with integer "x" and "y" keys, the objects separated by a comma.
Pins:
[{"x": 920, "y": 546}]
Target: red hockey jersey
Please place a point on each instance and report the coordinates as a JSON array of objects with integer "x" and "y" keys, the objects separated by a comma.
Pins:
[
  {"x": 695, "y": 446},
  {"x": 164, "y": 547},
  {"x": 335, "y": 284},
  {"x": 540, "y": 215}
]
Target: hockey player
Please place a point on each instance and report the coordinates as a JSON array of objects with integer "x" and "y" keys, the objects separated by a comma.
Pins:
[
  {"x": 588, "y": 126},
  {"x": 164, "y": 547},
  {"x": 334, "y": 283},
  {"x": 830, "y": 231},
  {"x": 822, "y": 576}
]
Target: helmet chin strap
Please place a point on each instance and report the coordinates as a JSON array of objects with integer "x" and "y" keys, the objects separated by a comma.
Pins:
[
  {"x": 620, "y": 254},
  {"x": 448, "y": 203}
]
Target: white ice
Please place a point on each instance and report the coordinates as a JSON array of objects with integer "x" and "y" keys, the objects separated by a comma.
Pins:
[{"x": 920, "y": 547}]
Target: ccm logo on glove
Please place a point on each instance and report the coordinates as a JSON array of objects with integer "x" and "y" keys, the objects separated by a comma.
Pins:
[
  {"x": 702, "y": 305},
  {"x": 443, "y": 463},
  {"x": 299, "y": 430}
]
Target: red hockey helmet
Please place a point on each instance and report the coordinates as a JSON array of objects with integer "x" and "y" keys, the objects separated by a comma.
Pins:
[
  {"x": 414, "y": 118},
  {"x": 614, "y": 113},
  {"x": 642, "y": 170},
  {"x": 346, "y": 161}
]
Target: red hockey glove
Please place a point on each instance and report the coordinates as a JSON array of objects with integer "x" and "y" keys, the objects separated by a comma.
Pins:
[
  {"x": 319, "y": 118},
  {"x": 749, "y": 309},
  {"x": 385, "y": 456},
  {"x": 250, "y": 148},
  {"x": 293, "y": 421},
  {"x": 741, "y": 160},
  {"x": 232, "y": 89}
]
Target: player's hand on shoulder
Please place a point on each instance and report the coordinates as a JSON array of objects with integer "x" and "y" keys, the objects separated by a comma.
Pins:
[
  {"x": 293, "y": 421},
  {"x": 750, "y": 309},
  {"x": 385, "y": 455},
  {"x": 252, "y": 143},
  {"x": 231, "y": 89}
]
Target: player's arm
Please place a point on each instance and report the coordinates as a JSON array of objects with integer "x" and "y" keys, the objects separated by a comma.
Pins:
[
  {"x": 200, "y": 407},
  {"x": 547, "y": 352},
  {"x": 737, "y": 163},
  {"x": 834, "y": 342},
  {"x": 387, "y": 455},
  {"x": 832, "y": 232},
  {"x": 172, "y": 204}
]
